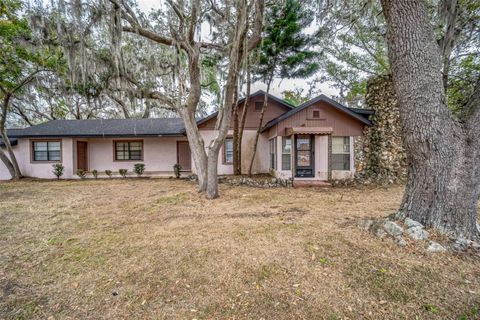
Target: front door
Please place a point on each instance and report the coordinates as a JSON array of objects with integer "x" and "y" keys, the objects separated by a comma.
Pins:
[
  {"x": 304, "y": 156},
  {"x": 82, "y": 155},
  {"x": 184, "y": 157}
]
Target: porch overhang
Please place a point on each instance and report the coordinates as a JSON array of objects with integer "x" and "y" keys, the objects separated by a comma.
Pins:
[{"x": 308, "y": 130}]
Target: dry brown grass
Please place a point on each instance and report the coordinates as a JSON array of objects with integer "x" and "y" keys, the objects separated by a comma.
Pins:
[{"x": 154, "y": 249}]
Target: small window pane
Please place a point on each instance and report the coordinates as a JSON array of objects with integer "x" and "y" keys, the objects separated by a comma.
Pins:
[
  {"x": 304, "y": 158},
  {"x": 273, "y": 153},
  {"x": 286, "y": 145},
  {"x": 340, "y": 145},
  {"x": 316, "y": 114},
  {"x": 228, "y": 150},
  {"x": 303, "y": 142},
  {"x": 286, "y": 153},
  {"x": 54, "y": 145},
  {"x": 40, "y": 156},
  {"x": 286, "y": 162},
  {"x": 54, "y": 155},
  {"x": 40, "y": 146},
  {"x": 341, "y": 162},
  {"x": 258, "y": 105}
]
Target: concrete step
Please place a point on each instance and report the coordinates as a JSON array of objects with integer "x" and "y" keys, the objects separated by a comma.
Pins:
[{"x": 311, "y": 183}]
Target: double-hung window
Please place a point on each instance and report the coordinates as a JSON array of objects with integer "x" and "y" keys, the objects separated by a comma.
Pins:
[
  {"x": 47, "y": 150},
  {"x": 128, "y": 150},
  {"x": 273, "y": 153},
  {"x": 341, "y": 153},
  {"x": 286, "y": 153},
  {"x": 228, "y": 151}
]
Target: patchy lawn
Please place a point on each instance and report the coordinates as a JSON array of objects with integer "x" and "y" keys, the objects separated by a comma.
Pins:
[{"x": 154, "y": 249}]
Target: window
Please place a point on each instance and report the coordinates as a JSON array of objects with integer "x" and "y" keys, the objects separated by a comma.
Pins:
[
  {"x": 228, "y": 151},
  {"x": 316, "y": 114},
  {"x": 341, "y": 153},
  {"x": 286, "y": 153},
  {"x": 128, "y": 150},
  {"x": 258, "y": 105},
  {"x": 273, "y": 153},
  {"x": 47, "y": 150}
]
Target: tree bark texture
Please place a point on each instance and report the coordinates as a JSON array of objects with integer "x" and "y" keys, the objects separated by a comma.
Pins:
[
  {"x": 224, "y": 115},
  {"x": 10, "y": 161},
  {"x": 257, "y": 135},
  {"x": 443, "y": 155}
]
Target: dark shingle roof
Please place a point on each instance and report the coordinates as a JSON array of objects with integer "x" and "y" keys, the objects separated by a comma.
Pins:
[
  {"x": 104, "y": 128},
  {"x": 361, "y": 116}
]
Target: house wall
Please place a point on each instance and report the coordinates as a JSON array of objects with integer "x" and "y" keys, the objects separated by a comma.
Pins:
[
  {"x": 159, "y": 154},
  {"x": 39, "y": 169},
  {"x": 321, "y": 161},
  {"x": 260, "y": 164},
  {"x": 342, "y": 124}
]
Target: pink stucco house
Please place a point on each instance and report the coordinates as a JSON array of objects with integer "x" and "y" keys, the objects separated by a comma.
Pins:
[{"x": 311, "y": 142}]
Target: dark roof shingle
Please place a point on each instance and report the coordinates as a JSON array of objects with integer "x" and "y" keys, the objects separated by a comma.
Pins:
[{"x": 104, "y": 128}]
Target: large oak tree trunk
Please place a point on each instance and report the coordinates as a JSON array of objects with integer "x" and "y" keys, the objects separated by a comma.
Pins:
[{"x": 442, "y": 152}]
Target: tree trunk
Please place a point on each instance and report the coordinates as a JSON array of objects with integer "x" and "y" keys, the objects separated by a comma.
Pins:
[
  {"x": 257, "y": 135},
  {"x": 443, "y": 153},
  {"x": 241, "y": 128},
  {"x": 11, "y": 161},
  {"x": 236, "y": 163},
  {"x": 224, "y": 115}
]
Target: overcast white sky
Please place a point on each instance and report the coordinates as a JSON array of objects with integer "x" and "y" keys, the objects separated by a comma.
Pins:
[{"x": 278, "y": 85}]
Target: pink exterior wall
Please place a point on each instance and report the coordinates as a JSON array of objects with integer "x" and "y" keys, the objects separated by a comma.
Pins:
[
  {"x": 39, "y": 169},
  {"x": 260, "y": 164},
  {"x": 159, "y": 155}
]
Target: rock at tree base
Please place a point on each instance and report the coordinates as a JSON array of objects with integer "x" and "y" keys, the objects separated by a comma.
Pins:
[
  {"x": 417, "y": 233},
  {"x": 435, "y": 247},
  {"x": 409, "y": 223},
  {"x": 393, "y": 229},
  {"x": 400, "y": 241}
]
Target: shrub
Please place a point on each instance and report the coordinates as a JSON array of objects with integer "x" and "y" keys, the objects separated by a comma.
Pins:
[
  {"x": 81, "y": 173},
  {"x": 108, "y": 173},
  {"x": 177, "y": 168},
  {"x": 95, "y": 173},
  {"x": 139, "y": 168},
  {"x": 123, "y": 172},
  {"x": 58, "y": 169}
]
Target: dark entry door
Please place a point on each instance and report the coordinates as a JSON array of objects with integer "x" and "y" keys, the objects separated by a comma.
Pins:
[
  {"x": 82, "y": 155},
  {"x": 184, "y": 157},
  {"x": 304, "y": 156}
]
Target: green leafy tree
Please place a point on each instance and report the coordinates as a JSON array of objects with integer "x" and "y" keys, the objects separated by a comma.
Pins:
[
  {"x": 285, "y": 51},
  {"x": 295, "y": 97},
  {"x": 21, "y": 61},
  {"x": 353, "y": 49}
]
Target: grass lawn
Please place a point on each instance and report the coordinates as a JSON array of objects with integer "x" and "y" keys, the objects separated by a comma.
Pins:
[{"x": 154, "y": 249}]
